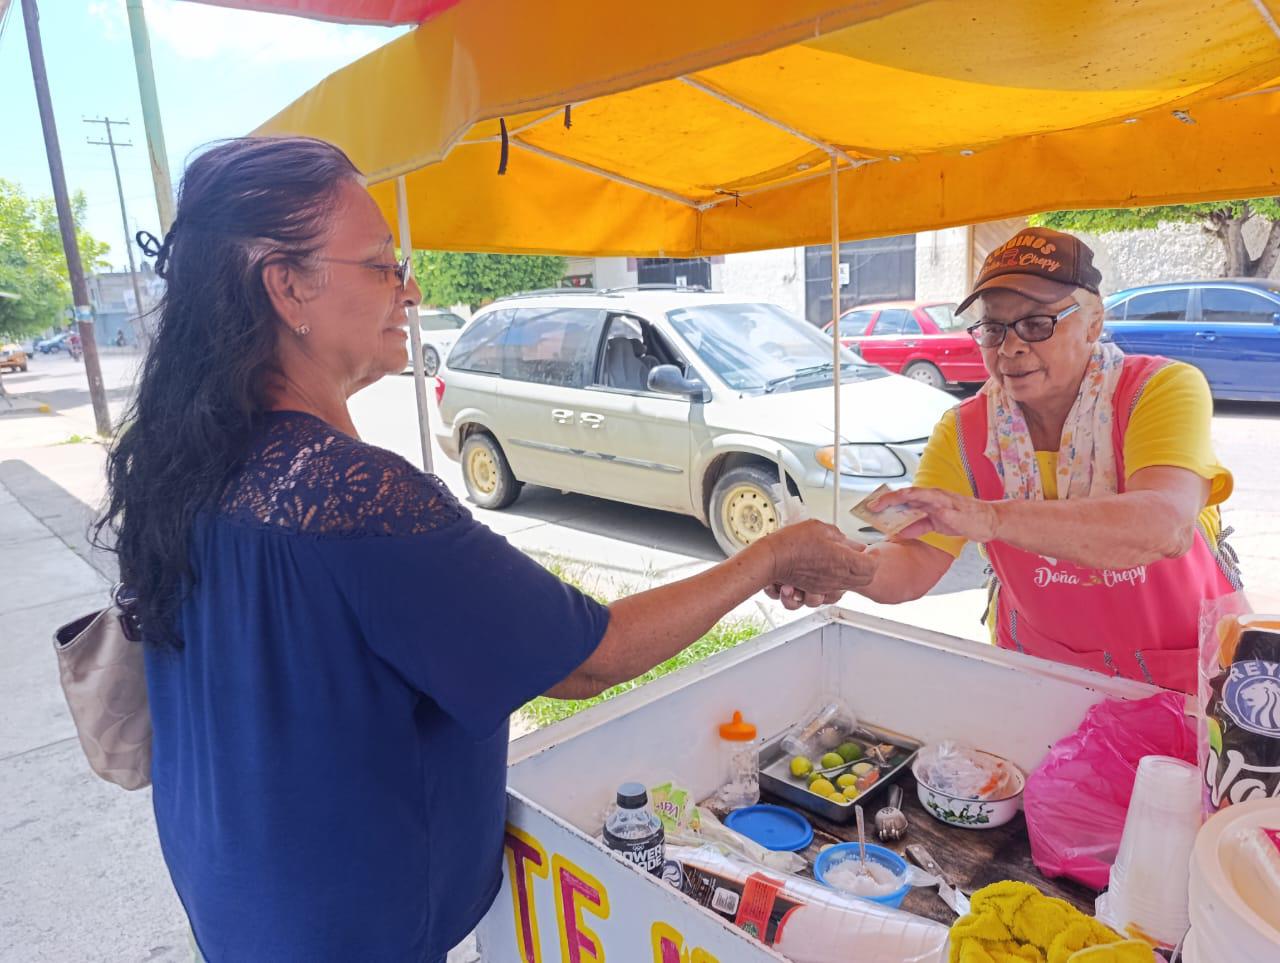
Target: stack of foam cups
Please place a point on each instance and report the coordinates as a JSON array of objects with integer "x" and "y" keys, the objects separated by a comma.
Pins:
[{"x": 1148, "y": 893}]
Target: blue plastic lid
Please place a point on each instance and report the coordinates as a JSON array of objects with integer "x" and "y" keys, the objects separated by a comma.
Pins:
[{"x": 772, "y": 827}]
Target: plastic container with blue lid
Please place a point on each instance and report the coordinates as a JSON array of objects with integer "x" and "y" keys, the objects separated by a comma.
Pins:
[{"x": 773, "y": 827}]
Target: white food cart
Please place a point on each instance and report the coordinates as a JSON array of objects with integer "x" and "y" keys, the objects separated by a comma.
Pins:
[{"x": 566, "y": 897}]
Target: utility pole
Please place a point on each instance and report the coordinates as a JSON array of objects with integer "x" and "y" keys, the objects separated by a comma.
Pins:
[
  {"x": 66, "y": 222},
  {"x": 124, "y": 216},
  {"x": 150, "y": 114}
]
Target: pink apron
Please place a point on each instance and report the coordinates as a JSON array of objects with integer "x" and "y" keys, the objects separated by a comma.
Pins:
[{"x": 1139, "y": 623}]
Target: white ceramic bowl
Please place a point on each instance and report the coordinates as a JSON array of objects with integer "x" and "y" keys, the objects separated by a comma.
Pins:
[{"x": 972, "y": 813}]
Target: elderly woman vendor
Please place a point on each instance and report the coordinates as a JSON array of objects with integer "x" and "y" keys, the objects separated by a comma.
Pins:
[{"x": 1088, "y": 477}]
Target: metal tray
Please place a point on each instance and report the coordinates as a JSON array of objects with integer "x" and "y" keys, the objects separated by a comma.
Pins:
[{"x": 776, "y": 778}]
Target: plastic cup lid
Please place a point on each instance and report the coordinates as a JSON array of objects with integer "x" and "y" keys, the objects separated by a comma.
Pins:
[{"x": 773, "y": 827}]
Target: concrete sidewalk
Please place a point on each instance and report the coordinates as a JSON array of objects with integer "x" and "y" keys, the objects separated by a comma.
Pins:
[{"x": 81, "y": 878}]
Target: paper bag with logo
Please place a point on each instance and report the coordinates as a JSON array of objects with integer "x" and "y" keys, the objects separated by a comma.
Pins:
[{"x": 1239, "y": 700}]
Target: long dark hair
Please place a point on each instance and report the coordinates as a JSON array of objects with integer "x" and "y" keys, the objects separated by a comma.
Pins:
[{"x": 242, "y": 203}]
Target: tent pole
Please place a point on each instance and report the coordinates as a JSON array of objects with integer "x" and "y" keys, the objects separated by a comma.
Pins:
[
  {"x": 835, "y": 329},
  {"x": 415, "y": 331}
]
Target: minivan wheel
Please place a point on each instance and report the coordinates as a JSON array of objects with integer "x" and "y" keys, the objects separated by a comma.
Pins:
[
  {"x": 746, "y": 505},
  {"x": 926, "y": 374},
  {"x": 486, "y": 473},
  {"x": 430, "y": 361}
]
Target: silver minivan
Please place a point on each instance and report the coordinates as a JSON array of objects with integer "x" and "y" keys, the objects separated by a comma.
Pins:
[{"x": 673, "y": 399}]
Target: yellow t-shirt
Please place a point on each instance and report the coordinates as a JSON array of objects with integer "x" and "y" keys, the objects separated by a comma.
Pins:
[{"x": 1170, "y": 426}]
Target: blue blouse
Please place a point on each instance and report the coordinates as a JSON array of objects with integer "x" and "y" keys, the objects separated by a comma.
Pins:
[{"x": 330, "y": 742}]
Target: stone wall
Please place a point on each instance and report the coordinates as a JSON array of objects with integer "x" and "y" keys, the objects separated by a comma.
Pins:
[
  {"x": 776, "y": 276},
  {"x": 942, "y": 264},
  {"x": 1171, "y": 252}
]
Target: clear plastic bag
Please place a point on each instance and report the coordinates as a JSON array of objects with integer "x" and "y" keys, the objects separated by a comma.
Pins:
[
  {"x": 1239, "y": 699},
  {"x": 1077, "y": 799},
  {"x": 961, "y": 771},
  {"x": 802, "y": 919}
]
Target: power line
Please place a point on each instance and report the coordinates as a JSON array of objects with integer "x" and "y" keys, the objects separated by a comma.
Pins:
[{"x": 112, "y": 143}]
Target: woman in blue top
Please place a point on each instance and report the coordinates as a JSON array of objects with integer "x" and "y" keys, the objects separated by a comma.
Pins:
[{"x": 329, "y": 762}]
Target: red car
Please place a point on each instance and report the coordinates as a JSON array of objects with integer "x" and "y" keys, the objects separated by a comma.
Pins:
[{"x": 924, "y": 340}]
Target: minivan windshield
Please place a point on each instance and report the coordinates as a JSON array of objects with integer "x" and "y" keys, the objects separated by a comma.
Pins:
[{"x": 760, "y": 347}]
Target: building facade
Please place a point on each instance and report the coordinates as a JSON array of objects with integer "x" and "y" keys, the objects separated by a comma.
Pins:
[
  {"x": 117, "y": 318},
  {"x": 928, "y": 266}
]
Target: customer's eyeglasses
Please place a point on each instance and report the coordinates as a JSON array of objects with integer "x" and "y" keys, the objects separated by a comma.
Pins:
[
  {"x": 1032, "y": 328},
  {"x": 400, "y": 268}
]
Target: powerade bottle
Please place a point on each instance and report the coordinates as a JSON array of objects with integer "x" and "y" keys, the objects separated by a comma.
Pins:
[{"x": 633, "y": 830}]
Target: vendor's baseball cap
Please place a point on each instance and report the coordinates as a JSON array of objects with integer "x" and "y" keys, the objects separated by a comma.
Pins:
[{"x": 1039, "y": 264}]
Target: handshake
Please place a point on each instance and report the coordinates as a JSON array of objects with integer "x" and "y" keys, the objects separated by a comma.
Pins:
[{"x": 814, "y": 564}]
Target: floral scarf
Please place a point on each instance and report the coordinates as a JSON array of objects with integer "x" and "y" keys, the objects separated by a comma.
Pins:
[{"x": 1086, "y": 459}]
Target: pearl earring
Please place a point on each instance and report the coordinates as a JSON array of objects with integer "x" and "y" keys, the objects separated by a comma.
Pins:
[{"x": 302, "y": 330}]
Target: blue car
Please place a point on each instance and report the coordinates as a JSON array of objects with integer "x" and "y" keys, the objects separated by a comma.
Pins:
[{"x": 1229, "y": 329}]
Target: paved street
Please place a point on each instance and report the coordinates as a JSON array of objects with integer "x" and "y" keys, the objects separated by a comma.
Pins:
[{"x": 80, "y": 872}]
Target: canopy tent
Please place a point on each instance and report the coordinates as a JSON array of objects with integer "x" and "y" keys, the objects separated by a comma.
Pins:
[
  {"x": 707, "y": 128},
  {"x": 680, "y": 130}
]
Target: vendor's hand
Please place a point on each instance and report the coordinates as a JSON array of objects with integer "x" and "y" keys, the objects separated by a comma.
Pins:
[
  {"x": 945, "y": 513},
  {"x": 793, "y": 598},
  {"x": 814, "y": 563}
]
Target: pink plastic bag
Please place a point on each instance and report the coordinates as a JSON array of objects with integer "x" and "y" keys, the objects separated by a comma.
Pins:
[{"x": 1076, "y": 800}]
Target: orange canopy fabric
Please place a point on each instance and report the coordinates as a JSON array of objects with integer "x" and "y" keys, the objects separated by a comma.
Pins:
[{"x": 712, "y": 127}]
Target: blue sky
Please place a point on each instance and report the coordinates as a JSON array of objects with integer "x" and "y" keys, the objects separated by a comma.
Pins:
[{"x": 219, "y": 72}]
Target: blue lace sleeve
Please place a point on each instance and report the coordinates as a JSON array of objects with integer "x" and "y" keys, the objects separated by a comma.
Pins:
[{"x": 305, "y": 476}]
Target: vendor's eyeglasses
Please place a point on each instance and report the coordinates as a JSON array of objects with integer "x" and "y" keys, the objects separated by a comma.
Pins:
[
  {"x": 1032, "y": 328},
  {"x": 400, "y": 268}
]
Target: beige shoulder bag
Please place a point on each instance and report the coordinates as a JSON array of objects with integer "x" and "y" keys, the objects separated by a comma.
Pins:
[{"x": 104, "y": 679}]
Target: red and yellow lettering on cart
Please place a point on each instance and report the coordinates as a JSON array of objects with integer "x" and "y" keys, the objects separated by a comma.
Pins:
[
  {"x": 524, "y": 857},
  {"x": 668, "y": 947},
  {"x": 577, "y": 891}
]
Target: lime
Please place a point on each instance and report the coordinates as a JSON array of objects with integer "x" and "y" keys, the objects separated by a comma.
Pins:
[
  {"x": 822, "y": 787},
  {"x": 1215, "y": 735},
  {"x": 845, "y": 781},
  {"x": 831, "y": 760},
  {"x": 849, "y": 751},
  {"x": 814, "y": 777},
  {"x": 838, "y": 798},
  {"x": 801, "y": 767}
]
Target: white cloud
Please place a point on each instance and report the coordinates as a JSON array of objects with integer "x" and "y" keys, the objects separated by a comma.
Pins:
[{"x": 197, "y": 31}]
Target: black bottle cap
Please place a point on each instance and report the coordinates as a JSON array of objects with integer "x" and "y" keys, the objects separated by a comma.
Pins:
[{"x": 632, "y": 795}]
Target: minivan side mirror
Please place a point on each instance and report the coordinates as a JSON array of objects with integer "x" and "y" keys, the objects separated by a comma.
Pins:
[{"x": 667, "y": 379}]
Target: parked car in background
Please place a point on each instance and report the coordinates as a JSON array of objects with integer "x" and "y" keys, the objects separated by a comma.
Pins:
[
  {"x": 12, "y": 357},
  {"x": 676, "y": 400},
  {"x": 56, "y": 343},
  {"x": 924, "y": 340},
  {"x": 1229, "y": 329},
  {"x": 439, "y": 332}
]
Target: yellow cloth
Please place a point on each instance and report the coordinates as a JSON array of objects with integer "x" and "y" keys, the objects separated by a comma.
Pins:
[
  {"x": 1171, "y": 425},
  {"x": 1011, "y": 922}
]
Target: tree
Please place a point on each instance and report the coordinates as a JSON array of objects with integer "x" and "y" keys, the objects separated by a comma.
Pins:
[
  {"x": 32, "y": 263},
  {"x": 452, "y": 277},
  {"x": 1224, "y": 220}
]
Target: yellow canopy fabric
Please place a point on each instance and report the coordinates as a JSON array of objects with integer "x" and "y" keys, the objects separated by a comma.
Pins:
[{"x": 710, "y": 127}]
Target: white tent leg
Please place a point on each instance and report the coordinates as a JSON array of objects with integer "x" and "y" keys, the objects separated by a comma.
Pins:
[
  {"x": 415, "y": 332},
  {"x": 835, "y": 328}
]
